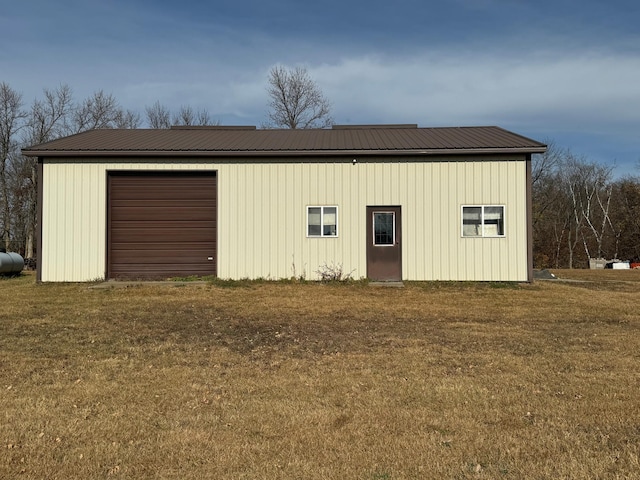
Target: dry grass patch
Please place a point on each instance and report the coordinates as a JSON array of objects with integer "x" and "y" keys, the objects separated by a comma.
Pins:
[
  {"x": 274, "y": 380},
  {"x": 599, "y": 276}
]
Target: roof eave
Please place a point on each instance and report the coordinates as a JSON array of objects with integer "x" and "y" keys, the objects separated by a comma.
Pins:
[{"x": 280, "y": 153}]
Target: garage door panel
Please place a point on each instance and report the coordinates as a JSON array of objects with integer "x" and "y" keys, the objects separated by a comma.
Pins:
[
  {"x": 169, "y": 213},
  {"x": 162, "y": 224},
  {"x": 165, "y": 203},
  {"x": 165, "y": 246},
  {"x": 157, "y": 228},
  {"x": 169, "y": 188},
  {"x": 159, "y": 179},
  {"x": 155, "y": 258},
  {"x": 164, "y": 195},
  {"x": 145, "y": 236},
  {"x": 177, "y": 269},
  {"x": 161, "y": 256}
]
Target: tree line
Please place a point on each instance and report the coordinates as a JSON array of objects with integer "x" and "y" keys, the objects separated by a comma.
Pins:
[{"x": 580, "y": 211}]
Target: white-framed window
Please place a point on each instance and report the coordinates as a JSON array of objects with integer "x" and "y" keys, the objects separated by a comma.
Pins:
[
  {"x": 483, "y": 220},
  {"x": 322, "y": 221}
]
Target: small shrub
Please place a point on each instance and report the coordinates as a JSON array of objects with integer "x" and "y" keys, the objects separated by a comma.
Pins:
[{"x": 333, "y": 273}]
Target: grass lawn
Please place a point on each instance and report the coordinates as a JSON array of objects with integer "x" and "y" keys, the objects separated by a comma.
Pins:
[{"x": 251, "y": 380}]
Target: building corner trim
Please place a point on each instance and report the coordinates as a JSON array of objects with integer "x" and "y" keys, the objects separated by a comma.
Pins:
[
  {"x": 39, "y": 173},
  {"x": 529, "y": 194}
]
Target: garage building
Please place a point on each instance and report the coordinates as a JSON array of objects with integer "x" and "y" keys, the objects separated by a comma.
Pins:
[{"x": 385, "y": 202}]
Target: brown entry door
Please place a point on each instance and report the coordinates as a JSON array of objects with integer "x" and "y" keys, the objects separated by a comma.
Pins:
[{"x": 384, "y": 234}]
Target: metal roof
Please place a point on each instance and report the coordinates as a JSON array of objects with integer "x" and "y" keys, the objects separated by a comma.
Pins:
[{"x": 249, "y": 141}]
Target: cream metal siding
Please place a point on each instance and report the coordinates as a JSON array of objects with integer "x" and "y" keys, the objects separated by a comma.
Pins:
[{"x": 262, "y": 223}]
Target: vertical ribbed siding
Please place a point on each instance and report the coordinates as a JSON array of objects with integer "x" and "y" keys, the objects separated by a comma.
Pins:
[
  {"x": 262, "y": 217},
  {"x": 431, "y": 195},
  {"x": 73, "y": 230}
]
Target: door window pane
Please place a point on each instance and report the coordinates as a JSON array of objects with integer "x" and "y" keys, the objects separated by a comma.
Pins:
[{"x": 383, "y": 228}]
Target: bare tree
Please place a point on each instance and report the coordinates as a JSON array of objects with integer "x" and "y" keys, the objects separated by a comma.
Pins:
[
  {"x": 296, "y": 100},
  {"x": 100, "y": 110},
  {"x": 47, "y": 120},
  {"x": 590, "y": 190},
  {"x": 11, "y": 116},
  {"x": 552, "y": 219},
  {"x": 127, "y": 119},
  {"x": 22, "y": 184},
  {"x": 599, "y": 193},
  {"x": 544, "y": 171},
  {"x": 187, "y": 116},
  {"x": 573, "y": 202},
  {"x": 158, "y": 116},
  {"x": 625, "y": 216}
]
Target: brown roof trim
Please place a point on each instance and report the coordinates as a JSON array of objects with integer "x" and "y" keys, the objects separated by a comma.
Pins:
[{"x": 272, "y": 153}]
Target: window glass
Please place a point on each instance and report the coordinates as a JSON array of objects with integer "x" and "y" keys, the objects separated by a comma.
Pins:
[
  {"x": 314, "y": 217},
  {"x": 493, "y": 221},
  {"x": 330, "y": 221},
  {"x": 383, "y": 228},
  {"x": 483, "y": 221},
  {"x": 472, "y": 221},
  {"x": 322, "y": 221}
]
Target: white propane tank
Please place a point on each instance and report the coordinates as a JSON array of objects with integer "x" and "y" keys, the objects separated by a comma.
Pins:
[{"x": 11, "y": 263}]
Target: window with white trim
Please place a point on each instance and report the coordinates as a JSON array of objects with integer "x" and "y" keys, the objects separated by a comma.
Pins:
[
  {"x": 322, "y": 221},
  {"x": 483, "y": 220}
]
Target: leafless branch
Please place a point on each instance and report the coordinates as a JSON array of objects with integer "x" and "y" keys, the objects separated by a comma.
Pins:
[{"x": 296, "y": 100}]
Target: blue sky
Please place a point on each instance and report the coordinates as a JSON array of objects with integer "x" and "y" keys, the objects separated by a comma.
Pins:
[{"x": 561, "y": 71}]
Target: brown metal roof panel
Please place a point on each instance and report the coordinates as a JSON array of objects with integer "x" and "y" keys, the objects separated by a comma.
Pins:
[
  {"x": 477, "y": 137},
  {"x": 415, "y": 139},
  {"x": 237, "y": 141},
  {"x": 485, "y": 137},
  {"x": 407, "y": 139}
]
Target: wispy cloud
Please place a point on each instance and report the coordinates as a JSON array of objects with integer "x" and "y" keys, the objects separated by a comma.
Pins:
[
  {"x": 592, "y": 90},
  {"x": 537, "y": 67}
]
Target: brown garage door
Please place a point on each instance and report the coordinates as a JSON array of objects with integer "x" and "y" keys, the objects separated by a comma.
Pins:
[{"x": 161, "y": 225}]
